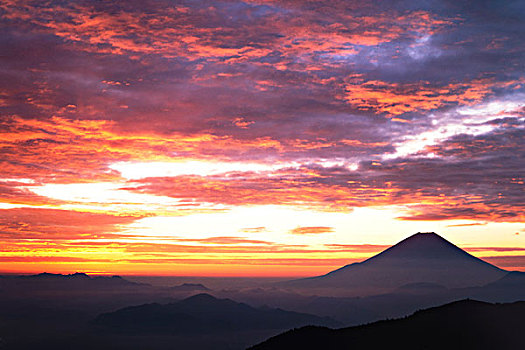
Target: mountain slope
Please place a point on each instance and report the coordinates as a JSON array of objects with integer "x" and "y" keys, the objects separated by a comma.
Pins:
[
  {"x": 409, "y": 298},
  {"x": 421, "y": 258},
  {"x": 203, "y": 313},
  {"x": 465, "y": 324},
  {"x": 514, "y": 279}
]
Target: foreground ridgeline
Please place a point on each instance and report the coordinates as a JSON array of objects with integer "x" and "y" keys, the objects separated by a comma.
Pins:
[{"x": 465, "y": 324}]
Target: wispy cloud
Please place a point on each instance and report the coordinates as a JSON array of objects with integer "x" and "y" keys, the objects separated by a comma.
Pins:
[{"x": 309, "y": 230}]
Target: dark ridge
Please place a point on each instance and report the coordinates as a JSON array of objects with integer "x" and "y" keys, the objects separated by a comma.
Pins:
[
  {"x": 465, "y": 324},
  {"x": 67, "y": 282},
  {"x": 202, "y": 313},
  {"x": 57, "y": 275},
  {"x": 512, "y": 279}
]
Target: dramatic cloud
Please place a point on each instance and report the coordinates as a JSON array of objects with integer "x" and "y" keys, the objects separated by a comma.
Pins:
[
  {"x": 51, "y": 224},
  {"x": 495, "y": 249},
  {"x": 311, "y": 230},
  {"x": 508, "y": 262},
  {"x": 111, "y": 112}
]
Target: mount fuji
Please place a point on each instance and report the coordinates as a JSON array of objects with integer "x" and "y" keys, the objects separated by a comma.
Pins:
[{"x": 421, "y": 258}]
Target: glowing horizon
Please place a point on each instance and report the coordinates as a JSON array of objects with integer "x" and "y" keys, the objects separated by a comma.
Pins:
[{"x": 256, "y": 138}]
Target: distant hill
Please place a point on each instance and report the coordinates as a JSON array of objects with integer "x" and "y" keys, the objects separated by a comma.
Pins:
[
  {"x": 512, "y": 279},
  {"x": 465, "y": 324},
  {"x": 200, "y": 314},
  {"x": 406, "y": 299},
  {"x": 78, "y": 291},
  {"x": 510, "y": 287},
  {"x": 47, "y": 280},
  {"x": 421, "y": 258},
  {"x": 190, "y": 287}
]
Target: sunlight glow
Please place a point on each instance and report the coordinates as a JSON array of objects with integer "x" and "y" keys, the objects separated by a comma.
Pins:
[
  {"x": 226, "y": 136},
  {"x": 141, "y": 170},
  {"x": 449, "y": 126}
]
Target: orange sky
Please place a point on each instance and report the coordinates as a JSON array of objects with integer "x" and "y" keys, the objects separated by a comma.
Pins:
[{"x": 256, "y": 138}]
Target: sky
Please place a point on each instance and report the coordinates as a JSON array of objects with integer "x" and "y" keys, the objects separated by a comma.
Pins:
[{"x": 257, "y": 137}]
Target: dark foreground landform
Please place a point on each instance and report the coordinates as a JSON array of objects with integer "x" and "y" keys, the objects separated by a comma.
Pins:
[{"x": 465, "y": 324}]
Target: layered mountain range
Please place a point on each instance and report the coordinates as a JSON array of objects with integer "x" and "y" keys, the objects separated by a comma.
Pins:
[{"x": 423, "y": 271}]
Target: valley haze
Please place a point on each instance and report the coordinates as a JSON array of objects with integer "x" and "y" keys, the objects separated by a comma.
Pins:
[{"x": 114, "y": 312}]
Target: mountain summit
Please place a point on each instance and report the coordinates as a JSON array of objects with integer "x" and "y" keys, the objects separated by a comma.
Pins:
[
  {"x": 423, "y": 245},
  {"x": 420, "y": 258}
]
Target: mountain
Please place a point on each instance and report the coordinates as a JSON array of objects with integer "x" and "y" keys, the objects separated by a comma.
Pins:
[
  {"x": 465, "y": 324},
  {"x": 510, "y": 287},
  {"x": 78, "y": 279},
  {"x": 203, "y": 313},
  {"x": 512, "y": 279},
  {"x": 90, "y": 294},
  {"x": 48, "y": 284},
  {"x": 190, "y": 287},
  {"x": 408, "y": 298},
  {"x": 421, "y": 258}
]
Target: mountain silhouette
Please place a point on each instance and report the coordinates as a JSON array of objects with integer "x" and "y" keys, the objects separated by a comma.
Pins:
[
  {"x": 420, "y": 258},
  {"x": 66, "y": 283},
  {"x": 512, "y": 279},
  {"x": 203, "y": 313},
  {"x": 465, "y": 324},
  {"x": 190, "y": 287},
  {"x": 510, "y": 287},
  {"x": 408, "y": 298}
]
